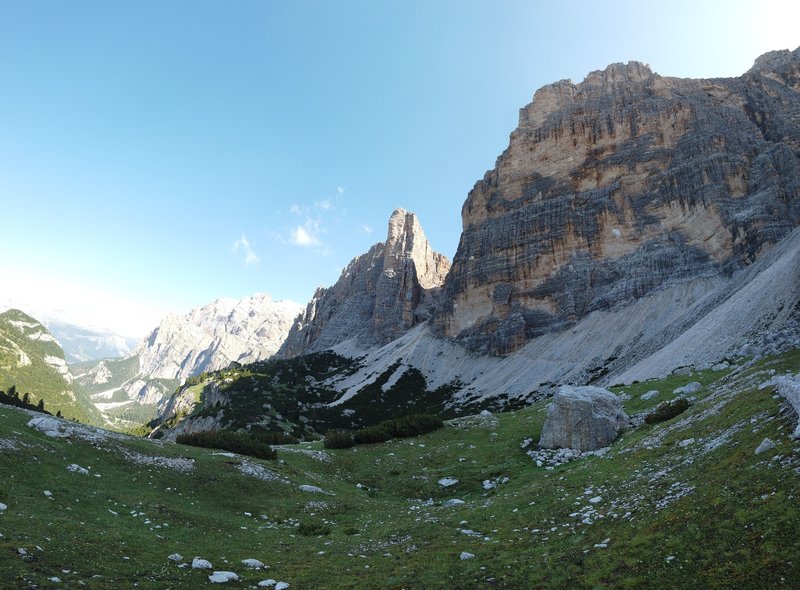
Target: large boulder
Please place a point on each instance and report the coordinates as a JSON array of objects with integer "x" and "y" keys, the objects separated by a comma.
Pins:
[{"x": 584, "y": 418}]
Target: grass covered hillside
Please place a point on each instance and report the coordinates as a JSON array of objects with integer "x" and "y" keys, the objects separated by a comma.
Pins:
[
  {"x": 32, "y": 361},
  {"x": 684, "y": 503}
]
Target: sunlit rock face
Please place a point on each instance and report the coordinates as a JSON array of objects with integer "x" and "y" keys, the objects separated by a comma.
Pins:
[{"x": 619, "y": 186}]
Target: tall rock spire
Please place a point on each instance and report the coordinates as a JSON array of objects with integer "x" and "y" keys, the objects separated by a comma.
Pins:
[{"x": 379, "y": 296}]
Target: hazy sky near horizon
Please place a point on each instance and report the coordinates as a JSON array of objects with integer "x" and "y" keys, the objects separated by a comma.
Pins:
[{"x": 156, "y": 155}]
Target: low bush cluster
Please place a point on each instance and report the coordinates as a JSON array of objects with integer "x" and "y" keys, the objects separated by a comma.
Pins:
[
  {"x": 338, "y": 439},
  {"x": 406, "y": 426},
  {"x": 667, "y": 410},
  {"x": 273, "y": 438},
  {"x": 235, "y": 442}
]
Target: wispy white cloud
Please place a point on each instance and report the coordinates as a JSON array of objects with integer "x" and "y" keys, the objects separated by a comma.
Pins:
[
  {"x": 305, "y": 236},
  {"x": 242, "y": 246},
  {"x": 325, "y": 205},
  {"x": 368, "y": 230},
  {"x": 340, "y": 190}
]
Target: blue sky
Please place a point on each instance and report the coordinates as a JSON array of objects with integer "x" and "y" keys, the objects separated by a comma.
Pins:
[{"x": 156, "y": 155}]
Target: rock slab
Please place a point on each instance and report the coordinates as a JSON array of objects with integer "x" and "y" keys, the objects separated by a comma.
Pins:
[{"x": 584, "y": 418}]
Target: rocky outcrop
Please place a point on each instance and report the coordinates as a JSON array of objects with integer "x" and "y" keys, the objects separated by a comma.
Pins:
[
  {"x": 618, "y": 187},
  {"x": 209, "y": 338},
  {"x": 583, "y": 418},
  {"x": 379, "y": 296}
]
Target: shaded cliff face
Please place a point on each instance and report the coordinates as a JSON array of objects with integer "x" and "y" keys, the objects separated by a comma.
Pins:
[
  {"x": 619, "y": 186},
  {"x": 379, "y": 296}
]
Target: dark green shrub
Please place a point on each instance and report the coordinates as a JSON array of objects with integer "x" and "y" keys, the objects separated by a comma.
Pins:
[
  {"x": 413, "y": 425},
  {"x": 372, "y": 434},
  {"x": 313, "y": 529},
  {"x": 235, "y": 442},
  {"x": 338, "y": 439},
  {"x": 272, "y": 438},
  {"x": 667, "y": 410}
]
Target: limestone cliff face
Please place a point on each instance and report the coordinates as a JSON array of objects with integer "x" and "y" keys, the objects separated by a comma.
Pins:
[
  {"x": 379, "y": 296},
  {"x": 619, "y": 186}
]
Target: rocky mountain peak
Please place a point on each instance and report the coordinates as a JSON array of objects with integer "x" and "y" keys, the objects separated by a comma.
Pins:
[
  {"x": 379, "y": 295},
  {"x": 776, "y": 60},
  {"x": 406, "y": 241}
]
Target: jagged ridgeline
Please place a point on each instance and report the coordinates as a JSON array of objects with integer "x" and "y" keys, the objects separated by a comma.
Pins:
[{"x": 32, "y": 361}]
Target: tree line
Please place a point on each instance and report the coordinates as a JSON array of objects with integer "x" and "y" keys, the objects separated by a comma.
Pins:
[{"x": 12, "y": 398}]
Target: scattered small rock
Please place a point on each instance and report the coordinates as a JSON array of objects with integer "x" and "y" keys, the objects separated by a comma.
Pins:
[
  {"x": 75, "y": 468},
  {"x": 55, "y": 579},
  {"x": 201, "y": 564},
  {"x": 281, "y": 586},
  {"x": 453, "y": 502},
  {"x": 686, "y": 442},
  {"x": 222, "y": 577},
  {"x": 175, "y": 557},
  {"x": 466, "y": 555},
  {"x": 650, "y": 394},
  {"x": 253, "y": 563},
  {"x": 596, "y": 500},
  {"x": 313, "y": 489},
  {"x": 766, "y": 445},
  {"x": 446, "y": 482},
  {"x": 48, "y": 493},
  {"x": 3, "y": 507},
  {"x": 267, "y": 583},
  {"x": 603, "y": 544}
]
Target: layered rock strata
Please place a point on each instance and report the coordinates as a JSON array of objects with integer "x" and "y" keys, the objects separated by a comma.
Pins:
[
  {"x": 379, "y": 296},
  {"x": 620, "y": 186}
]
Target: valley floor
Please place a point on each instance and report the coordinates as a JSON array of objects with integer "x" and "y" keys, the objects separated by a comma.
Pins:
[{"x": 686, "y": 504}]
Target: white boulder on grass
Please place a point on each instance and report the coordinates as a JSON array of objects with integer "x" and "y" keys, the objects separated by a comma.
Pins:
[
  {"x": 650, "y": 394},
  {"x": 201, "y": 564},
  {"x": 3, "y": 507},
  {"x": 175, "y": 557},
  {"x": 466, "y": 555},
  {"x": 446, "y": 482},
  {"x": 584, "y": 418},
  {"x": 766, "y": 445},
  {"x": 222, "y": 577},
  {"x": 267, "y": 583},
  {"x": 281, "y": 586}
]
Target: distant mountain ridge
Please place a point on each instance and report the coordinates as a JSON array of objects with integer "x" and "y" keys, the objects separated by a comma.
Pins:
[
  {"x": 79, "y": 342},
  {"x": 208, "y": 338},
  {"x": 32, "y": 361}
]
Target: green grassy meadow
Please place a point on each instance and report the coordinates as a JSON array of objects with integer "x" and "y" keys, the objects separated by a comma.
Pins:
[{"x": 664, "y": 512}]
